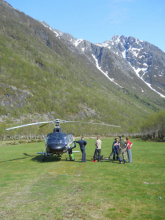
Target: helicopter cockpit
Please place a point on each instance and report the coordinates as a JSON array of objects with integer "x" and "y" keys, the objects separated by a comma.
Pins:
[
  {"x": 57, "y": 138},
  {"x": 59, "y": 142}
]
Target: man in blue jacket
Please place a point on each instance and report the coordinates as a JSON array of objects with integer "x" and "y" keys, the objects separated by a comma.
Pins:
[
  {"x": 82, "y": 144},
  {"x": 116, "y": 149}
]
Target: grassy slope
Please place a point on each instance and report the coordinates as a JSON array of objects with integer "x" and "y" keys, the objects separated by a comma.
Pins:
[
  {"x": 32, "y": 59},
  {"x": 62, "y": 189}
]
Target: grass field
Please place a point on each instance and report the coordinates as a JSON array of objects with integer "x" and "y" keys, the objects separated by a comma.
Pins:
[{"x": 60, "y": 189}]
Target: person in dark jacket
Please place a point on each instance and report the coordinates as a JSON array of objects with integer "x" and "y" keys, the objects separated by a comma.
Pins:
[
  {"x": 82, "y": 144},
  {"x": 116, "y": 149}
]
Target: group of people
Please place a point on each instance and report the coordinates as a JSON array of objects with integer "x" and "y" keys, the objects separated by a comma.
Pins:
[{"x": 119, "y": 148}]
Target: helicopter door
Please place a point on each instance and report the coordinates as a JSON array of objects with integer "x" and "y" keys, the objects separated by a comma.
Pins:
[{"x": 70, "y": 140}]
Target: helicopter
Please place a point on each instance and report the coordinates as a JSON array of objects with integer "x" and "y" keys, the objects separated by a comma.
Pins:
[{"x": 57, "y": 142}]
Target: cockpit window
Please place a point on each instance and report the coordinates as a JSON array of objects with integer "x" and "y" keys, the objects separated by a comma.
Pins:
[{"x": 57, "y": 138}]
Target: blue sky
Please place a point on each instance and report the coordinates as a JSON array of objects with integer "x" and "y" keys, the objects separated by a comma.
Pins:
[{"x": 99, "y": 20}]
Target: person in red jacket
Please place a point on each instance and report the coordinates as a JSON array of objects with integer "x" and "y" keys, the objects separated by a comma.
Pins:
[{"x": 129, "y": 145}]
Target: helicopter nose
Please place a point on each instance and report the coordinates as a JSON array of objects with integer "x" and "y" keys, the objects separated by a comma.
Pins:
[{"x": 56, "y": 148}]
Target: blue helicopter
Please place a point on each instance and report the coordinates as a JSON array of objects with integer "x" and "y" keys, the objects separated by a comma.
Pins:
[{"x": 57, "y": 142}]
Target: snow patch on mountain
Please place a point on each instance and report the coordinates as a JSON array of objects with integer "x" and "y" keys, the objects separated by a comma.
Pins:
[
  {"x": 148, "y": 84},
  {"x": 105, "y": 73},
  {"x": 56, "y": 32},
  {"x": 104, "y": 45},
  {"x": 124, "y": 54},
  {"x": 77, "y": 42}
]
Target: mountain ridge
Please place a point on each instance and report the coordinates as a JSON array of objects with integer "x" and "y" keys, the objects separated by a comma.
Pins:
[
  {"x": 43, "y": 76},
  {"x": 127, "y": 48}
]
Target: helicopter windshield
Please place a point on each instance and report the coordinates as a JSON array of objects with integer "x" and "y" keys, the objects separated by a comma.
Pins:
[
  {"x": 57, "y": 138},
  {"x": 70, "y": 139}
]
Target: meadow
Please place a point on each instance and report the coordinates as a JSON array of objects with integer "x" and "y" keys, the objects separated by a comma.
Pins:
[{"x": 62, "y": 189}]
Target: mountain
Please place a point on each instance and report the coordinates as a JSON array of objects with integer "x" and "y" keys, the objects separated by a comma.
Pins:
[
  {"x": 46, "y": 74},
  {"x": 147, "y": 61},
  {"x": 122, "y": 56}
]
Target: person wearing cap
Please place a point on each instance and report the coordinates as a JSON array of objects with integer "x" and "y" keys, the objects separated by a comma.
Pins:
[
  {"x": 122, "y": 150},
  {"x": 82, "y": 144},
  {"x": 98, "y": 148}
]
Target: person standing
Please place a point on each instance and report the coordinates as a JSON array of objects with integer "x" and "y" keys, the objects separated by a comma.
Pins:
[
  {"x": 82, "y": 144},
  {"x": 116, "y": 149},
  {"x": 112, "y": 149},
  {"x": 98, "y": 148},
  {"x": 129, "y": 145},
  {"x": 122, "y": 149}
]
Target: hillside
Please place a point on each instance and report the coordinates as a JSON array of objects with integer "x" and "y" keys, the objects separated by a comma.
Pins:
[
  {"x": 41, "y": 78},
  {"x": 124, "y": 59}
]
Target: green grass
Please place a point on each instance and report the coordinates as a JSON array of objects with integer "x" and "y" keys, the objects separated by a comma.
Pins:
[{"x": 31, "y": 189}]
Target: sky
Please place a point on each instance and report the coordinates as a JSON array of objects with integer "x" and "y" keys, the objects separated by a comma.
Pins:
[{"x": 99, "y": 20}]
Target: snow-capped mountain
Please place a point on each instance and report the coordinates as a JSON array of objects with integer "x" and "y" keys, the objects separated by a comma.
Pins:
[
  {"x": 147, "y": 61},
  {"x": 122, "y": 60}
]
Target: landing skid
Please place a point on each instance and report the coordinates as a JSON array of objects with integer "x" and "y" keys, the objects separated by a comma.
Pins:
[{"x": 48, "y": 154}]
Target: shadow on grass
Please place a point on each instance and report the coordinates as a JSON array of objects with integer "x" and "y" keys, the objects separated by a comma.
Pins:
[
  {"x": 110, "y": 161},
  {"x": 39, "y": 158},
  {"x": 76, "y": 161},
  {"x": 21, "y": 158},
  {"x": 102, "y": 161}
]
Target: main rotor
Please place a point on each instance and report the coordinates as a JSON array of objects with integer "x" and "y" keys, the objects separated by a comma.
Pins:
[{"x": 57, "y": 122}]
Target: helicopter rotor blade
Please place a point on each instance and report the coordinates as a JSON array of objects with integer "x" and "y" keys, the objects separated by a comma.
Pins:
[
  {"x": 41, "y": 126},
  {"x": 37, "y": 123},
  {"x": 58, "y": 121},
  {"x": 94, "y": 123}
]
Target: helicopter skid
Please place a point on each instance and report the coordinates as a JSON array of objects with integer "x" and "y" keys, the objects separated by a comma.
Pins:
[
  {"x": 45, "y": 154},
  {"x": 48, "y": 154}
]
